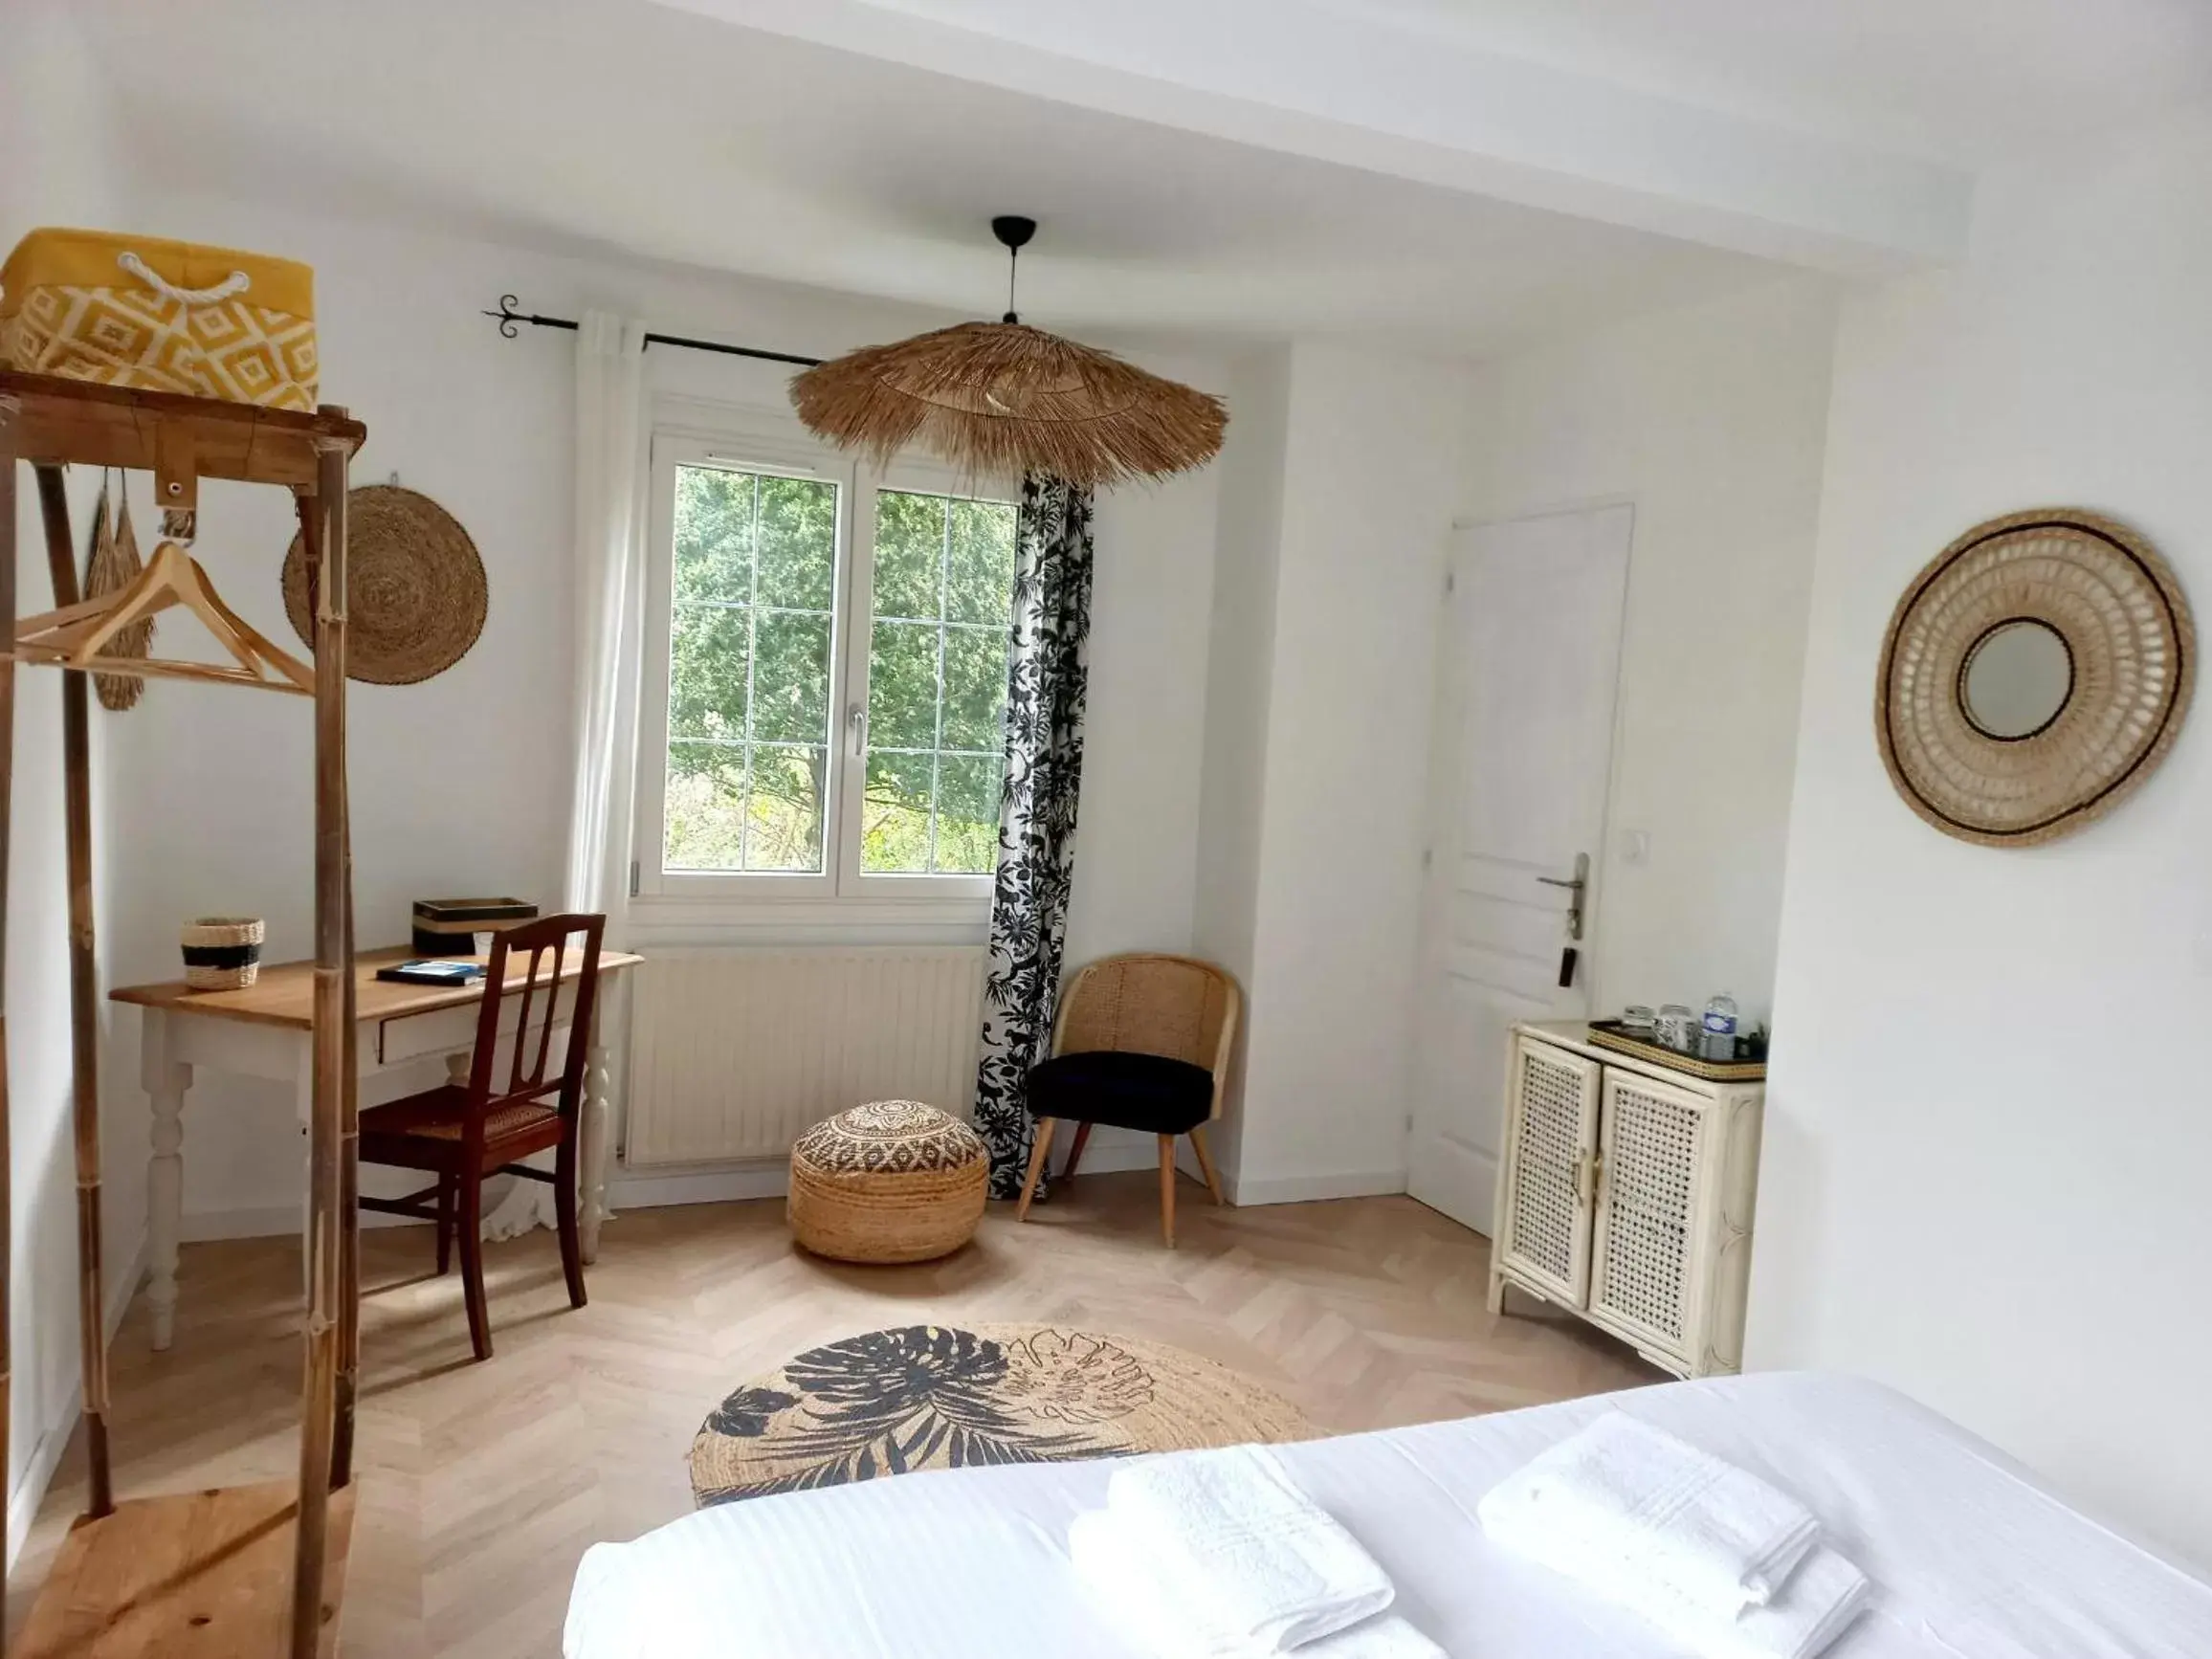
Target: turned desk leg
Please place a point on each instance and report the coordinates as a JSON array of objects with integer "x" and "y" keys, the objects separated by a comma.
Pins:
[
  {"x": 166, "y": 1082},
  {"x": 598, "y": 1085}
]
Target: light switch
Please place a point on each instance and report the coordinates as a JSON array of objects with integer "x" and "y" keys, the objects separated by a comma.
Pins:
[{"x": 1635, "y": 846}]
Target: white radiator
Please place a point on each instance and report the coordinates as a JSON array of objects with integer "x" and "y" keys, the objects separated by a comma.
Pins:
[{"x": 735, "y": 1052}]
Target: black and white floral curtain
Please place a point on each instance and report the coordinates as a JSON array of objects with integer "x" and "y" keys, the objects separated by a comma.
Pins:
[{"x": 1044, "y": 689}]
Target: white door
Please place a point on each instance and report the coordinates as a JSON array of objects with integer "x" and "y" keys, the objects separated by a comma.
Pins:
[{"x": 1529, "y": 666}]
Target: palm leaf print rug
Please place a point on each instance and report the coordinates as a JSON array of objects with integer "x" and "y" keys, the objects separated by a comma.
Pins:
[{"x": 939, "y": 1397}]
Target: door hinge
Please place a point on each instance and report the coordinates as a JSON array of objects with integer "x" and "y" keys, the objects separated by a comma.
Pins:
[
  {"x": 1450, "y": 581},
  {"x": 633, "y": 878}
]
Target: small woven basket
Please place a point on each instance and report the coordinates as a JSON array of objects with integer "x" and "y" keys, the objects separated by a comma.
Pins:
[
  {"x": 894, "y": 1181},
  {"x": 222, "y": 953}
]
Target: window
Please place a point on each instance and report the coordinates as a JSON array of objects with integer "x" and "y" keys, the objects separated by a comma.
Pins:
[
  {"x": 827, "y": 677},
  {"x": 937, "y": 684}
]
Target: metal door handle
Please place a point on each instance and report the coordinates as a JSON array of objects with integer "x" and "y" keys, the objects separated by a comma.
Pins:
[{"x": 1577, "y": 886}]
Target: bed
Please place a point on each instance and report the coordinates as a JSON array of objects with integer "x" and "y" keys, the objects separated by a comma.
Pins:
[{"x": 1971, "y": 1559}]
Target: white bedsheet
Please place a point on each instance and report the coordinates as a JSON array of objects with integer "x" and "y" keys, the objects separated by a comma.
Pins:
[{"x": 1969, "y": 1558}]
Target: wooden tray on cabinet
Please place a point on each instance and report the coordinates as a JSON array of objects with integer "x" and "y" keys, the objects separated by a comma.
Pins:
[{"x": 1614, "y": 1036}]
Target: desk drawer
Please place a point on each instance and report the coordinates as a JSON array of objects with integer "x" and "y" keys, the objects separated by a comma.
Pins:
[{"x": 405, "y": 1037}]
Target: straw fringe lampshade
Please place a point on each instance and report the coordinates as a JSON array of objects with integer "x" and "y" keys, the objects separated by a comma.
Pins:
[{"x": 1001, "y": 399}]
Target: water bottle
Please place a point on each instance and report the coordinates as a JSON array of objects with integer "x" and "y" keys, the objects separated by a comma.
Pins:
[{"x": 1720, "y": 1028}]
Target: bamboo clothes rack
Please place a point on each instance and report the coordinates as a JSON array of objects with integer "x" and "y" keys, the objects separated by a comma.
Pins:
[{"x": 240, "y": 1571}]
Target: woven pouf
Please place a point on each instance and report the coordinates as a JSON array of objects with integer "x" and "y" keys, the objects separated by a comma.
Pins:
[{"x": 892, "y": 1181}]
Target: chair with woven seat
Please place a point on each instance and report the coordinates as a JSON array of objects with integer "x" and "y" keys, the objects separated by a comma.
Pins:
[
  {"x": 463, "y": 1132},
  {"x": 1142, "y": 1042}
]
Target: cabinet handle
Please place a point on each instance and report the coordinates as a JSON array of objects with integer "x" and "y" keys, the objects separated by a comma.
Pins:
[{"x": 1589, "y": 1175}]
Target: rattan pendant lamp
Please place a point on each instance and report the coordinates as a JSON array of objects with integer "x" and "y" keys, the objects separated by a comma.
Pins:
[{"x": 1002, "y": 399}]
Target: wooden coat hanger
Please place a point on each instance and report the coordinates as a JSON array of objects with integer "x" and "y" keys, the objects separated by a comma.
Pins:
[{"x": 73, "y": 635}]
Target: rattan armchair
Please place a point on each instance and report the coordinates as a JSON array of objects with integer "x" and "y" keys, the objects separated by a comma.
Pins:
[{"x": 1144, "y": 1042}]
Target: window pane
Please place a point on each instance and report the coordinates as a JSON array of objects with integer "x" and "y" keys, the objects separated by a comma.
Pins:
[
  {"x": 784, "y": 823},
  {"x": 967, "y": 814},
  {"x": 909, "y": 553},
  {"x": 714, "y": 533},
  {"x": 980, "y": 562},
  {"x": 798, "y": 542},
  {"x": 705, "y": 806},
  {"x": 943, "y": 602},
  {"x": 755, "y": 568},
  {"x": 902, "y": 686},
  {"x": 706, "y": 676},
  {"x": 790, "y": 678},
  {"x": 975, "y": 689},
  {"x": 895, "y": 822}
]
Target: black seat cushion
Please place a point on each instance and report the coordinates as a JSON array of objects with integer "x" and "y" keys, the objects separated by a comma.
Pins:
[{"x": 1145, "y": 1091}]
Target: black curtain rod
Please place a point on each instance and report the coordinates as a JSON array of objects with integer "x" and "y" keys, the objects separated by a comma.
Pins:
[{"x": 508, "y": 317}]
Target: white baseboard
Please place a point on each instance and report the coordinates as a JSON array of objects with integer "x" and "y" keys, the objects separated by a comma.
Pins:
[
  {"x": 1308, "y": 1189},
  {"x": 273, "y": 1221},
  {"x": 627, "y": 1189},
  {"x": 54, "y": 1439},
  {"x": 721, "y": 1184}
]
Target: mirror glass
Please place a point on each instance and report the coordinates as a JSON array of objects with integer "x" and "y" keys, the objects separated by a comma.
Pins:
[{"x": 2017, "y": 678}]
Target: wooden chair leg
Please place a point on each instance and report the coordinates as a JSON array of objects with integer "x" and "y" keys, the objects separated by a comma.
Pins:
[
  {"x": 1075, "y": 1151},
  {"x": 1167, "y": 1189},
  {"x": 472, "y": 1241},
  {"x": 1045, "y": 1126},
  {"x": 565, "y": 1216},
  {"x": 1205, "y": 1162},
  {"x": 446, "y": 1186}
]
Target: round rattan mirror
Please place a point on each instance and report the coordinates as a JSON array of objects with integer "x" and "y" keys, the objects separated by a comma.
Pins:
[{"x": 2033, "y": 676}]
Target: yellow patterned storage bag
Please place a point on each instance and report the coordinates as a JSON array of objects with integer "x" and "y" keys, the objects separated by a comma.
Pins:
[{"x": 161, "y": 315}]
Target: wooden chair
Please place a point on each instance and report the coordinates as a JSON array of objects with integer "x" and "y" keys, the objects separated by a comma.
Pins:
[
  {"x": 1142, "y": 1043},
  {"x": 463, "y": 1132}
]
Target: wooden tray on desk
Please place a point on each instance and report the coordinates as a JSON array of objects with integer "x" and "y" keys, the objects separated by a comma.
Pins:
[{"x": 1614, "y": 1036}]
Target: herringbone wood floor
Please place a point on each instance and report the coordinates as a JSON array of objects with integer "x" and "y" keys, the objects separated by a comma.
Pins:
[{"x": 481, "y": 1484}]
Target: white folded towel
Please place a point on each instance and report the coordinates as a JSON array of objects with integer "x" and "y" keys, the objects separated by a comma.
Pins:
[
  {"x": 1818, "y": 1603},
  {"x": 1230, "y": 1535},
  {"x": 1622, "y": 1498},
  {"x": 1122, "y": 1576}
]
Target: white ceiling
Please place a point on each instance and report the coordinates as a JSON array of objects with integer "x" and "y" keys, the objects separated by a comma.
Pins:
[
  {"x": 864, "y": 144},
  {"x": 1969, "y": 81},
  {"x": 620, "y": 125}
]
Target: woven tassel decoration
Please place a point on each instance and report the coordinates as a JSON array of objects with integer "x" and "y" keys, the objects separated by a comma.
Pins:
[{"x": 115, "y": 563}]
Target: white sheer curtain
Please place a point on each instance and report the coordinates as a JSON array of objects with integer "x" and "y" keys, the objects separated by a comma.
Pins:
[
  {"x": 609, "y": 595},
  {"x": 608, "y": 582}
]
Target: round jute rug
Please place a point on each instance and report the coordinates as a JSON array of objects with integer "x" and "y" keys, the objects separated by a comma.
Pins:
[{"x": 936, "y": 1397}]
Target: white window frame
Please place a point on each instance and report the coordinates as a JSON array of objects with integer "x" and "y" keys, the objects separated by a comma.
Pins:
[{"x": 758, "y": 442}]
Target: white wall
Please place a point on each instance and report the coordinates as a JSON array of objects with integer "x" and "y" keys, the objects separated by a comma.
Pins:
[
  {"x": 60, "y": 168},
  {"x": 1711, "y": 421},
  {"x": 1240, "y": 664},
  {"x": 460, "y": 783},
  {"x": 1989, "y": 1122},
  {"x": 1373, "y": 466}
]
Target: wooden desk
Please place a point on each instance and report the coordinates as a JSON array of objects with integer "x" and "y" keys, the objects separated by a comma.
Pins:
[{"x": 267, "y": 1031}]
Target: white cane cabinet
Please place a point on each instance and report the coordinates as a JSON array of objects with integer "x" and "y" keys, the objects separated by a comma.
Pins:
[{"x": 1626, "y": 1194}]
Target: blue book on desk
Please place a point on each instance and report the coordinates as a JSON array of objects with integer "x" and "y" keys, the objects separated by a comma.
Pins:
[{"x": 433, "y": 972}]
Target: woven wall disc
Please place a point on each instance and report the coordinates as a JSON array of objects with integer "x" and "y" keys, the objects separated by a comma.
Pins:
[
  {"x": 416, "y": 591},
  {"x": 2130, "y": 649}
]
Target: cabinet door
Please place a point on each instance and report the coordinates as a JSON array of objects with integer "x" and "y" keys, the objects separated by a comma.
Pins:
[
  {"x": 1546, "y": 1183},
  {"x": 1651, "y": 1181}
]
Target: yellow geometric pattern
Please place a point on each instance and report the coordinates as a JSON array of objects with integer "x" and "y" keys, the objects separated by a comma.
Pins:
[{"x": 228, "y": 348}]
